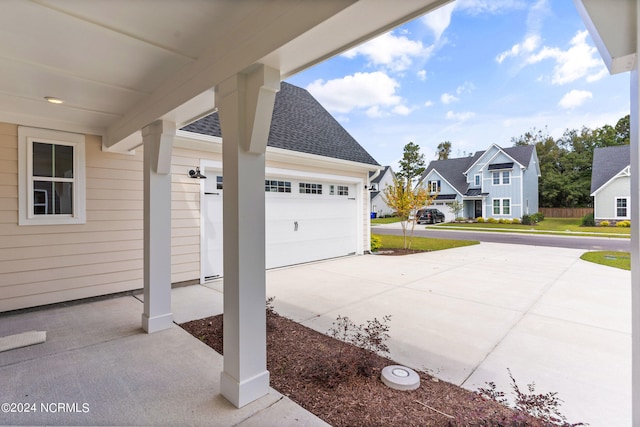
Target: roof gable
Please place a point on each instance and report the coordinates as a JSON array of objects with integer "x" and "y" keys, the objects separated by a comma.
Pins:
[
  {"x": 451, "y": 170},
  {"x": 607, "y": 163},
  {"x": 521, "y": 154},
  {"x": 300, "y": 123}
]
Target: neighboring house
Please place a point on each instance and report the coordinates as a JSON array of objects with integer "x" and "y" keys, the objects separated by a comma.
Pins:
[
  {"x": 611, "y": 184},
  {"x": 382, "y": 180},
  {"x": 498, "y": 183}
]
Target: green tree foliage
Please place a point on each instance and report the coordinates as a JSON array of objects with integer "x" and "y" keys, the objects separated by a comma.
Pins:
[
  {"x": 565, "y": 163},
  {"x": 444, "y": 150},
  {"x": 411, "y": 165}
]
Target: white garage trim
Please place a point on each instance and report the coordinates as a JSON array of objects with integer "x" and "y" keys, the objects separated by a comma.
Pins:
[{"x": 354, "y": 206}]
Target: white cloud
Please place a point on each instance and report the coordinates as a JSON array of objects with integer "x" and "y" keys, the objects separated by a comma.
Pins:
[
  {"x": 428, "y": 104},
  {"x": 466, "y": 87},
  {"x": 402, "y": 110},
  {"x": 390, "y": 51},
  {"x": 528, "y": 45},
  {"x": 373, "y": 92},
  {"x": 438, "y": 20},
  {"x": 476, "y": 7},
  {"x": 422, "y": 75},
  {"x": 575, "y": 98},
  {"x": 460, "y": 117},
  {"x": 447, "y": 98},
  {"x": 580, "y": 60}
]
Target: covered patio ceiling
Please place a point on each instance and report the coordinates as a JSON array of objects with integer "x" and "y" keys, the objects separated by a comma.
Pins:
[{"x": 118, "y": 65}]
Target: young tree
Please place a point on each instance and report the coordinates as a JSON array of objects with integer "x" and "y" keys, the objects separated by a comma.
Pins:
[
  {"x": 455, "y": 207},
  {"x": 405, "y": 201},
  {"x": 444, "y": 150},
  {"x": 411, "y": 165}
]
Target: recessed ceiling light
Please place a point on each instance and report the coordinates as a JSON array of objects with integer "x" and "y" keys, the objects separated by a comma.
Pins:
[{"x": 53, "y": 100}]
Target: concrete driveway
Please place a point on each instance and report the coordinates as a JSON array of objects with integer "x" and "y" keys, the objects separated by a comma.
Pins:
[{"x": 468, "y": 314}]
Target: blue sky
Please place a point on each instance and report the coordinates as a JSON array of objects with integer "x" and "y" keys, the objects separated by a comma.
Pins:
[{"x": 474, "y": 72}]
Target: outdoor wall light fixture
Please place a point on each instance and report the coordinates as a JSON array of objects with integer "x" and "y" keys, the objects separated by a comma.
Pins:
[
  {"x": 53, "y": 100},
  {"x": 195, "y": 174}
]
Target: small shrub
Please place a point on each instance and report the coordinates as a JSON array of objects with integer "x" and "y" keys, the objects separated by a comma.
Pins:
[
  {"x": 515, "y": 221},
  {"x": 271, "y": 313},
  {"x": 588, "y": 221},
  {"x": 502, "y": 221},
  {"x": 604, "y": 223},
  {"x": 624, "y": 223},
  {"x": 492, "y": 221},
  {"x": 537, "y": 217},
  {"x": 460, "y": 219},
  {"x": 480, "y": 220},
  {"x": 376, "y": 243},
  {"x": 526, "y": 220},
  {"x": 543, "y": 406},
  {"x": 361, "y": 343}
]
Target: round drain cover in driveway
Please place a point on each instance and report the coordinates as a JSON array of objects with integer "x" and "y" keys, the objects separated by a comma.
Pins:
[{"x": 400, "y": 377}]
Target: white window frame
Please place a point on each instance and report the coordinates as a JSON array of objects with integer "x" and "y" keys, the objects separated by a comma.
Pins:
[
  {"x": 501, "y": 180},
  {"x": 477, "y": 180},
  {"x": 26, "y": 137},
  {"x": 501, "y": 207},
  {"x": 627, "y": 208}
]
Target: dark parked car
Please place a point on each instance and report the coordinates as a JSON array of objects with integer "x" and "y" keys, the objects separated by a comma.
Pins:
[{"x": 429, "y": 216}]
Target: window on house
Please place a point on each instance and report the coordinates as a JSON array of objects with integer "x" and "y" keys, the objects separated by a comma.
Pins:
[
  {"x": 434, "y": 186},
  {"x": 343, "y": 190},
  {"x": 51, "y": 177},
  {"x": 622, "y": 206},
  {"x": 501, "y": 178},
  {"x": 477, "y": 180},
  {"x": 501, "y": 206},
  {"x": 332, "y": 190},
  {"x": 307, "y": 188},
  {"x": 218, "y": 183},
  {"x": 274, "y": 186}
]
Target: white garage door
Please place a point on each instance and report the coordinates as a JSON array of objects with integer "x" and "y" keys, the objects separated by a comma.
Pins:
[{"x": 306, "y": 220}]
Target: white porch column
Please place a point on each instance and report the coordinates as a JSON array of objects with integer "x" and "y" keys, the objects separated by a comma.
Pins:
[
  {"x": 245, "y": 105},
  {"x": 635, "y": 245},
  {"x": 158, "y": 143}
]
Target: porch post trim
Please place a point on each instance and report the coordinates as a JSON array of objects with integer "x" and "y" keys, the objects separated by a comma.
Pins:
[
  {"x": 158, "y": 145},
  {"x": 245, "y": 106}
]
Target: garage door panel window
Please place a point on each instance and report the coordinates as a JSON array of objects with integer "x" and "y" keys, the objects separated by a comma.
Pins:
[
  {"x": 309, "y": 188},
  {"x": 274, "y": 186},
  {"x": 343, "y": 190}
]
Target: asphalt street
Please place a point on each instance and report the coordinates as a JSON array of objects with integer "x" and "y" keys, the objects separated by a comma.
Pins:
[{"x": 556, "y": 241}]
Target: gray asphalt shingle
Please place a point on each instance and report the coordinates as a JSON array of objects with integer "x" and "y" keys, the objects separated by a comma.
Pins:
[
  {"x": 607, "y": 163},
  {"x": 301, "y": 124}
]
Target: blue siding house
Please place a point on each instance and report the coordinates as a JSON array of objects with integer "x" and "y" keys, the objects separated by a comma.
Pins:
[{"x": 495, "y": 183}]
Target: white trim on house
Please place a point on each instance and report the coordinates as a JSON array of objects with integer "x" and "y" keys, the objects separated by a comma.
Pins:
[
  {"x": 28, "y": 135},
  {"x": 501, "y": 206},
  {"x": 500, "y": 150},
  {"x": 627, "y": 207},
  {"x": 625, "y": 172},
  {"x": 442, "y": 178}
]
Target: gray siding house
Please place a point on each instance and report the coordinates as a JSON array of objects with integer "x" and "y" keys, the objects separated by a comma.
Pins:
[
  {"x": 377, "y": 184},
  {"x": 611, "y": 184},
  {"x": 496, "y": 183}
]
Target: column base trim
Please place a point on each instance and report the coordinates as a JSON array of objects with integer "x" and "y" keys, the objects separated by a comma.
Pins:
[
  {"x": 157, "y": 323},
  {"x": 245, "y": 392}
]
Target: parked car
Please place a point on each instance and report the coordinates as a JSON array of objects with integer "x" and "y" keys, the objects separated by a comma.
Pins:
[{"x": 429, "y": 216}]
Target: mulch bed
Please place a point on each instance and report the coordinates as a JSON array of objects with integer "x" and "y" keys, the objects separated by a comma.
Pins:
[{"x": 328, "y": 378}]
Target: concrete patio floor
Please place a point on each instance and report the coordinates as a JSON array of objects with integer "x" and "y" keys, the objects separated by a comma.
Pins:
[{"x": 465, "y": 315}]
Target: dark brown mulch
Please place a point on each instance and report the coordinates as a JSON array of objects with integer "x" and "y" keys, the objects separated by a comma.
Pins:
[{"x": 326, "y": 377}]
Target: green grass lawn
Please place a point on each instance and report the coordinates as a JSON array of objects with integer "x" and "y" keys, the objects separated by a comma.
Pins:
[
  {"x": 386, "y": 220},
  {"x": 548, "y": 224},
  {"x": 423, "y": 243},
  {"x": 609, "y": 258}
]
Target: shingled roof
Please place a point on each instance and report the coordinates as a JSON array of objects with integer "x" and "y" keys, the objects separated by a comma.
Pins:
[
  {"x": 607, "y": 163},
  {"x": 300, "y": 123}
]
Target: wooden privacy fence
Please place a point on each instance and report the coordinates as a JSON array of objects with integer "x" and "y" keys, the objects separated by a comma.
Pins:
[{"x": 565, "y": 212}]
